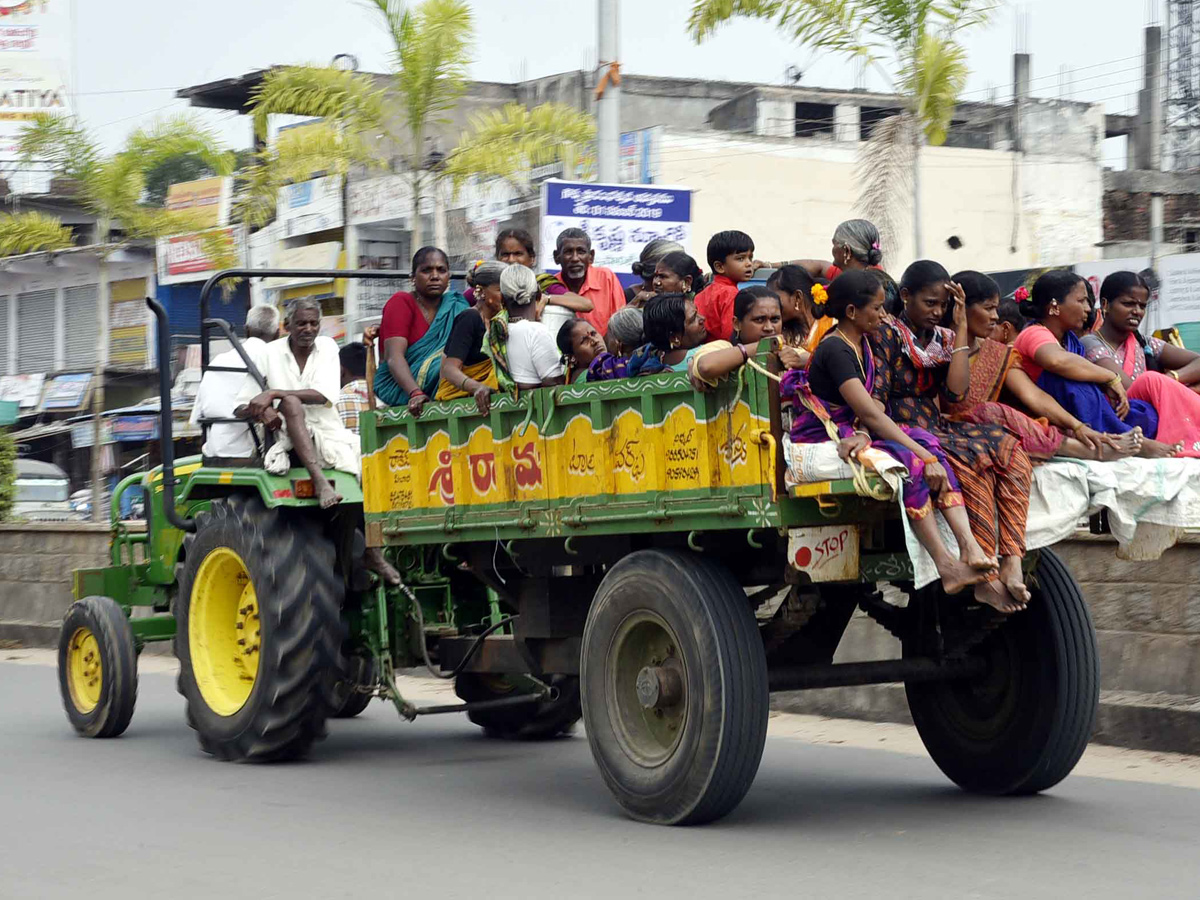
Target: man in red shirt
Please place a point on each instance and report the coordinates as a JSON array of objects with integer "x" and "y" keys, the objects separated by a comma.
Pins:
[
  {"x": 574, "y": 254},
  {"x": 731, "y": 257}
]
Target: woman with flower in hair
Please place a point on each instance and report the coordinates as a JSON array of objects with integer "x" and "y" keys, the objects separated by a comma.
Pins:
[
  {"x": 856, "y": 245},
  {"x": 802, "y": 299}
]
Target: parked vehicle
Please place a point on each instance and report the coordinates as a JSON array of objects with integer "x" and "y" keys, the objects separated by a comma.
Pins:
[
  {"x": 42, "y": 490},
  {"x": 601, "y": 550}
]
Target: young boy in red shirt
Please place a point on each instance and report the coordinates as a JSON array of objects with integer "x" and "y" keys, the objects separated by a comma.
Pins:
[{"x": 731, "y": 257}]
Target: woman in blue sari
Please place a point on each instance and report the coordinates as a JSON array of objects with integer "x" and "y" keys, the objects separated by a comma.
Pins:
[
  {"x": 414, "y": 331},
  {"x": 1054, "y": 358}
]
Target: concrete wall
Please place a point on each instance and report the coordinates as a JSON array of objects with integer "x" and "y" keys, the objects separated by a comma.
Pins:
[
  {"x": 1147, "y": 618},
  {"x": 790, "y": 194},
  {"x": 36, "y": 562}
]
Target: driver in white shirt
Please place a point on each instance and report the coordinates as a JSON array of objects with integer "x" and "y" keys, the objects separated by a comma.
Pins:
[{"x": 221, "y": 393}]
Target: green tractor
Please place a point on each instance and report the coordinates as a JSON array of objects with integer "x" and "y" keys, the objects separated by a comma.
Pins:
[{"x": 626, "y": 551}]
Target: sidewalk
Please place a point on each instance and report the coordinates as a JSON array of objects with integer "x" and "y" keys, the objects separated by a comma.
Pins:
[{"x": 1099, "y": 761}]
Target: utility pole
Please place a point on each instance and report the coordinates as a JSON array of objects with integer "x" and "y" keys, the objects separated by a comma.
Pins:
[
  {"x": 608, "y": 87},
  {"x": 1154, "y": 136}
]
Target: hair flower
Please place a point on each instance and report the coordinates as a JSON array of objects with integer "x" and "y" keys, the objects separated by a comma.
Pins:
[
  {"x": 819, "y": 294},
  {"x": 875, "y": 245},
  {"x": 1021, "y": 294}
]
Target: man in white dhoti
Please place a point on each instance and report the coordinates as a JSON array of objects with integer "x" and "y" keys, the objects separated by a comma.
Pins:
[{"x": 303, "y": 383}]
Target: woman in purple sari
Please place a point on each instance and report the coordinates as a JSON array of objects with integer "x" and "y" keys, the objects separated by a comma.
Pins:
[{"x": 836, "y": 400}]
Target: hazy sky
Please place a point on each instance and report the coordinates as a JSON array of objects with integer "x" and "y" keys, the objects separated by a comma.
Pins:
[{"x": 132, "y": 54}]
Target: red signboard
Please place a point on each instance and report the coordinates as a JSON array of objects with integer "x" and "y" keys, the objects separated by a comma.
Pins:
[{"x": 185, "y": 255}]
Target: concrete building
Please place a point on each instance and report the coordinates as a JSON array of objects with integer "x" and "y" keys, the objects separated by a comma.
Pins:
[{"x": 1016, "y": 185}]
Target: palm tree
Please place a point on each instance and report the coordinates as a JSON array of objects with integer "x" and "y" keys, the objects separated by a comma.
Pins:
[
  {"x": 508, "y": 143},
  {"x": 112, "y": 189},
  {"x": 31, "y": 232},
  {"x": 347, "y": 108},
  {"x": 921, "y": 37}
]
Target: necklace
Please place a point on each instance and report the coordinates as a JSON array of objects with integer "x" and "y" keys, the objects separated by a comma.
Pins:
[{"x": 857, "y": 352}]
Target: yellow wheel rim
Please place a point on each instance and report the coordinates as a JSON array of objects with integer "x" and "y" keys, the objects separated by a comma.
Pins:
[
  {"x": 85, "y": 675},
  {"x": 224, "y": 636}
]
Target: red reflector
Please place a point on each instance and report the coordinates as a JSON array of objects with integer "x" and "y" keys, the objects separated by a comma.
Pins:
[
  {"x": 304, "y": 489},
  {"x": 282, "y": 493}
]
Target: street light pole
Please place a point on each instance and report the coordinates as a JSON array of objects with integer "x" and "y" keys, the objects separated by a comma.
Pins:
[{"x": 608, "y": 103}]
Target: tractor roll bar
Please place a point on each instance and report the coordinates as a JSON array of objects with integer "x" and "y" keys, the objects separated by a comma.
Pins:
[{"x": 166, "y": 437}]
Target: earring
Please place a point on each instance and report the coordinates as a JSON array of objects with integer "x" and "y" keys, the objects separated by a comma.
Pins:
[
  {"x": 674, "y": 343},
  {"x": 1054, "y": 309}
]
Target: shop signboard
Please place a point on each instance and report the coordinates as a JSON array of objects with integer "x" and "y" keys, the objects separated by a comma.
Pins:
[
  {"x": 26, "y": 390},
  {"x": 182, "y": 257},
  {"x": 132, "y": 429},
  {"x": 310, "y": 206},
  {"x": 83, "y": 434},
  {"x": 310, "y": 256},
  {"x": 620, "y": 219},
  {"x": 35, "y": 68},
  {"x": 66, "y": 392},
  {"x": 207, "y": 200}
]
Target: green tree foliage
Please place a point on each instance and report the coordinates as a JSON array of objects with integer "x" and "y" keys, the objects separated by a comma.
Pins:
[
  {"x": 914, "y": 43},
  {"x": 30, "y": 232},
  {"x": 8, "y": 474}
]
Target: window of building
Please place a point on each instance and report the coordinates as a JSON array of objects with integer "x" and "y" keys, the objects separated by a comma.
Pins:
[
  {"x": 814, "y": 119},
  {"x": 870, "y": 116}
]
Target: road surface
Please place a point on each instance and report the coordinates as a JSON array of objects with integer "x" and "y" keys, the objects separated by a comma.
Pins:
[{"x": 433, "y": 809}]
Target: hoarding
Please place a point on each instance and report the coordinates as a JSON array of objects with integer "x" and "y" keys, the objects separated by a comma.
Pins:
[
  {"x": 620, "y": 219},
  {"x": 35, "y": 54},
  {"x": 207, "y": 199},
  {"x": 310, "y": 206}
]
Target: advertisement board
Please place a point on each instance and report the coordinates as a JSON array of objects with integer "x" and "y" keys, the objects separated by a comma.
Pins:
[
  {"x": 310, "y": 206},
  {"x": 35, "y": 68},
  {"x": 24, "y": 390},
  {"x": 132, "y": 429},
  {"x": 207, "y": 199},
  {"x": 182, "y": 257},
  {"x": 620, "y": 219},
  {"x": 66, "y": 392}
]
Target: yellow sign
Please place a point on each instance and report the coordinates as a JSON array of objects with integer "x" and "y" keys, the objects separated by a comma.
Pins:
[{"x": 207, "y": 199}]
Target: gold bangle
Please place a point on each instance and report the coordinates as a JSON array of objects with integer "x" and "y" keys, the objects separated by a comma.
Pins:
[
  {"x": 1116, "y": 382},
  {"x": 928, "y": 459},
  {"x": 1077, "y": 427},
  {"x": 1174, "y": 374}
]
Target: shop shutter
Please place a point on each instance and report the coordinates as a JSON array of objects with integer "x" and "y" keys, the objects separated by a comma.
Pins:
[
  {"x": 79, "y": 307},
  {"x": 3, "y": 335},
  {"x": 35, "y": 332}
]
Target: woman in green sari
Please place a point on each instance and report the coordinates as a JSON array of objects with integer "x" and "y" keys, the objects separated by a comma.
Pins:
[{"x": 414, "y": 331}]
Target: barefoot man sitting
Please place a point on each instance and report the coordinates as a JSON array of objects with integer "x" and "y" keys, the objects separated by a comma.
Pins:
[
  {"x": 304, "y": 379},
  {"x": 303, "y": 382}
]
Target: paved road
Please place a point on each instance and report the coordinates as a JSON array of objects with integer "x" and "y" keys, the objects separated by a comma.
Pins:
[{"x": 434, "y": 809}]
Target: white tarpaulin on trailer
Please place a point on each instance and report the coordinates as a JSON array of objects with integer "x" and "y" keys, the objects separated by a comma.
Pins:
[{"x": 1149, "y": 501}]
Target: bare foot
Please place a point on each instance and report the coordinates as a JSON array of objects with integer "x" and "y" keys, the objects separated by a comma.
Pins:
[
  {"x": 1013, "y": 578},
  {"x": 1157, "y": 449},
  {"x": 994, "y": 595},
  {"x": 327, "y": 496},
  {"x": 1128, "y": 444},
  {"x": 958, "y": 575},
  {"x": 374, "y": 560},
  {"x": 972, "y": 554}
]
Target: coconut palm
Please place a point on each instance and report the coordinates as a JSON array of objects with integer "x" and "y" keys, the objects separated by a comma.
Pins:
[
  {"x": 919, "y": 38},
  {"x": 508, "y": 143},
  {"x": 31, "y": 232},
  {"x": 112, "y": 188},
  {"x": 347, "y": 109}
]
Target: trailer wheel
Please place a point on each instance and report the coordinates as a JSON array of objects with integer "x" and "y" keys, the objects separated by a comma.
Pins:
[
  {"x": 1021, "y": 726},
  {"x": 535, "y": 722},
  {"x": 674, "y": 685},
  {"x": 258, "y": 630},
  {"x": 97, "y": 667}
]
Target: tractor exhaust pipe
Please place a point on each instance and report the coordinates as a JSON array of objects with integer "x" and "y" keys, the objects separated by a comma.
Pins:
[{"x": 166, "y": 438}]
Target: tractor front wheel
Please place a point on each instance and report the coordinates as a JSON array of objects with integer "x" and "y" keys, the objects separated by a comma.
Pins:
[
  {"x": 97, "y": 667},
  {"x": 258, "y": 630}
]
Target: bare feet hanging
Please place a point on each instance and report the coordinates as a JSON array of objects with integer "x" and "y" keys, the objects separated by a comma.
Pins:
[
  {"x": 994, "y": 594},
  {"x": 326, "y": 495},
  {"x": 958, "y": 575},
  {"x": 1158, "y": 450},
  {"x": 1127, "y": 444},
  {"x": 972, "y": 554},
  {"x": 1013, "y": 578},
  {"x": 375, "y": 562}
]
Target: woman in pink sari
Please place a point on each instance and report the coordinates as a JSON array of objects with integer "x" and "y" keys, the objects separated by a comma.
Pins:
[{"x": 1152, "y": 370}]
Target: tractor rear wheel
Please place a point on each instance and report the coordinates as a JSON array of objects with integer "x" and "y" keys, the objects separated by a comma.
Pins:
[
  {"x": 258, "y": 630},
  {"x": 97, "y": 667}
]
